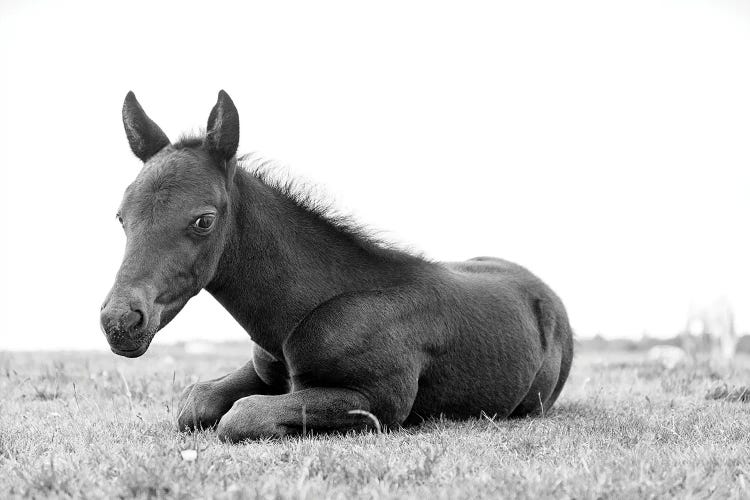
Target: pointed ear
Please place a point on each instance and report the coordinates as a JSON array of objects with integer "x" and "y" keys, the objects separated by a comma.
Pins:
[
  {"x": 145, "y": 137},
  {"x": 223, "y": 129}
]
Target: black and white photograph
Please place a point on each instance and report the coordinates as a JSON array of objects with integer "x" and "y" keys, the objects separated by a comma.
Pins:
[{"x": 391, "y": 250}]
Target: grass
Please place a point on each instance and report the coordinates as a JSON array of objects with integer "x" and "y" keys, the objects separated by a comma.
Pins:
[{"x": 91, "y": 425}]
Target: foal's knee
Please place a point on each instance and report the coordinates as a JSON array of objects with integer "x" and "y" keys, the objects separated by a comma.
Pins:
[{"x": 249, "y": 418}]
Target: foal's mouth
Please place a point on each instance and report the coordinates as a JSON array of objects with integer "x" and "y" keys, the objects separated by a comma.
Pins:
[
  {"x": 131, "y": 353},
  {"x": 127, "y": 349}
]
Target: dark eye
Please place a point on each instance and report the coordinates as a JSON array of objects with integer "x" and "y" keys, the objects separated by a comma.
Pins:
[
  {"x": 119, "y": 218},
  {"x": 204, "y": 222}
]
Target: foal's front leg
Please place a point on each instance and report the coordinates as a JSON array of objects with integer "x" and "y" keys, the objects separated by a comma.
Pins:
[
  {"x": 204, "y": 403},
  {"x": 320, "y": 409}
]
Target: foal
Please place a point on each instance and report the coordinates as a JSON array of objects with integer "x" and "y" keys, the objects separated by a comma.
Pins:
[{"x": 339, "y": 322}]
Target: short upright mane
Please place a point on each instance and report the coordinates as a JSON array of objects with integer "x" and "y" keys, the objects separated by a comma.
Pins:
[{"x": 309, "y": 198}]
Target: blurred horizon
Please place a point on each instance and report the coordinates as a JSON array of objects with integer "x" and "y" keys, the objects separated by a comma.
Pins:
[
  {"x": 705, "y": 348},
  {"x": 601, "y": 145}
]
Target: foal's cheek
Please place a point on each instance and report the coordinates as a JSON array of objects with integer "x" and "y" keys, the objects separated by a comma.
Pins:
[{"x": 206, "y": 262}]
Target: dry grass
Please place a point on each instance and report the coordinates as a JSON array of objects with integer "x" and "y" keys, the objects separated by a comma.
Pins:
[{"x": 93, "y": 425}]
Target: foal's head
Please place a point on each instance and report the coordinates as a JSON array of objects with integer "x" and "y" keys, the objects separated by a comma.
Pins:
[{"x": 176, "y": 216}]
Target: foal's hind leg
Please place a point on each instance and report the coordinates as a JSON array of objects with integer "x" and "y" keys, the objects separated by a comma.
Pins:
[
  {"x": 319, "y": 409},
  {"x": 203, "y": 404},
  {"x": 538, "y": 399}
]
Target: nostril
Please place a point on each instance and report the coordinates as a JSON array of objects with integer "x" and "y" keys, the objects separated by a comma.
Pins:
[{"x": 131, "y": 320}]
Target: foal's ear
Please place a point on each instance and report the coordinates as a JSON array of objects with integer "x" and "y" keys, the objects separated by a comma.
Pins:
[
  {"x": 223, "y": 129},
  {"x": 145, "y": 137}
]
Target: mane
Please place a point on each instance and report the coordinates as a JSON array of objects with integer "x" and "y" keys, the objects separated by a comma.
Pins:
[{"x": 311, "y": 199}]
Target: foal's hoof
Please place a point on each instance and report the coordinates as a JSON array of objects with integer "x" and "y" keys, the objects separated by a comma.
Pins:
[
  {"x": 200, "y": 407},
  {"x": 249, "y": 419}
]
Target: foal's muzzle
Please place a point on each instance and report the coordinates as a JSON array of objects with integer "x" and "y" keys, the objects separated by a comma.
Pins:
[{"x": 125, "y": 323}]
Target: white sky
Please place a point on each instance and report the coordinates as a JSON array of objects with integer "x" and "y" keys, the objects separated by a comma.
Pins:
[{"x": 604, "y": 145}]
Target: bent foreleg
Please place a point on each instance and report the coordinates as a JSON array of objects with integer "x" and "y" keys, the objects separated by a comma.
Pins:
[
  {"x": 204, "y": 403},
  {"x": 315, "y": 409}
]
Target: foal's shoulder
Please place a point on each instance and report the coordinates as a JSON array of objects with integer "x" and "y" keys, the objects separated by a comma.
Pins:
[{"x": 351, "y": 330}]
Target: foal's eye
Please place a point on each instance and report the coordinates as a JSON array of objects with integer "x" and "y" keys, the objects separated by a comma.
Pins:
[{"x": 204, "y": 222}]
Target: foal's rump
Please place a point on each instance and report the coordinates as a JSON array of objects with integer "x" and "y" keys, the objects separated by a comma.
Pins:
[
  {"x": 513, "y": 293},
  {"x": 507, "y": 340}
]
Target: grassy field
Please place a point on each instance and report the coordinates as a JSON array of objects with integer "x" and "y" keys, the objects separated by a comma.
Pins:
[{"x": 94, "y": 425}]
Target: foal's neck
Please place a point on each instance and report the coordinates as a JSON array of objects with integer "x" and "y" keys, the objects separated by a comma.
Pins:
[{"x": 283, "y": 259}]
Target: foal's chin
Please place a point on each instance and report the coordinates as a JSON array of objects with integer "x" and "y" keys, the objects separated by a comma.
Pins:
[
  {"x": 135, "y": 348},
  {"x": 134, "y": 353}
]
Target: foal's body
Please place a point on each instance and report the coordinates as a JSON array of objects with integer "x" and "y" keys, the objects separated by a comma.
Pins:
[
  {"x": 340, "y": 322},
  {"x": 353, "y": 325}
]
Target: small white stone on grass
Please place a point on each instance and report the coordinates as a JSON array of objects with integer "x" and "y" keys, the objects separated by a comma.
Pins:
[{"x": 189, "y": 455}]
